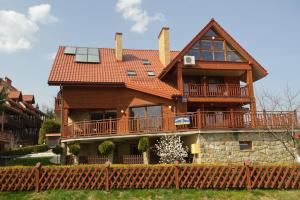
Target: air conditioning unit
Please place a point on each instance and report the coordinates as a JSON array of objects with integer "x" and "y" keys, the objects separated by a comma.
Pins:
[{"x": 189, "y": 60}]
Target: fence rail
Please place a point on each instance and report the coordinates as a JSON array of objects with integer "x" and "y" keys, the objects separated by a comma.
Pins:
[
  {"x": 158, "y": 176},
  {"x": 197, "y": 120},
  {"x": 216, "y": 90}
]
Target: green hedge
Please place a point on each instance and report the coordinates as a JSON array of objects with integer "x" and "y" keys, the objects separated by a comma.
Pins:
[
  {"x": 29, "y": 161},
  {"x": 25, "y": 150}
]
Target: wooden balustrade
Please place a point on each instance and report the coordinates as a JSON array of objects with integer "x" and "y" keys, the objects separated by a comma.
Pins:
[
  {"x": 133, "y": 159},
  {"x": 197, "y": 120},
  {"x": 216, "y": 90}
]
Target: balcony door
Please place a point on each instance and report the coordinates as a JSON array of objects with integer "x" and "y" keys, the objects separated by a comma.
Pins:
[{"x": 145, "y": 118}]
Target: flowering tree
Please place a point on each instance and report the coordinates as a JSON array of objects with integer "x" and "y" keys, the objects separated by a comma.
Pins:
[{"x": 170, "y": 148}]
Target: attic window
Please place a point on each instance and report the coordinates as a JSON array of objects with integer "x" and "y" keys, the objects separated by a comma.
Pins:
[
  {"x": 131, "y": 73},
  {"x": 146, "y": 62},
  {"x": 150, "y": 73}
]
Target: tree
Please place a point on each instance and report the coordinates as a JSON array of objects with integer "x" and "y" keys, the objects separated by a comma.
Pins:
[
  {"x": 107, "y": 148},
  {"x": 74, "y": 149},
  {"x": 143, "y": 147},
  {"x": 48, "y": 126},
  {"x": 289, "y": 101},
  {"x": 170, "y": 149}
]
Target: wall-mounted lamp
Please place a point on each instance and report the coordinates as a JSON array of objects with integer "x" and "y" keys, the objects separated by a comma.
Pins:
[
  {"x": 170, "y": 107},
  {"x": 122, "y": 111}
]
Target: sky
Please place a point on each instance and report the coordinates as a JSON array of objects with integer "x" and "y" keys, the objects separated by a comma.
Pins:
[{"x": 32, "y": 30}]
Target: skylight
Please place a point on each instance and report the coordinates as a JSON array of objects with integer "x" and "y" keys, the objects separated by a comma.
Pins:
[
  {"x": 84, "y": 54},
  {"x": 146, "y": 62},
  {"x": 131, "y": 73},
  {"x": 150, "y": 73}
]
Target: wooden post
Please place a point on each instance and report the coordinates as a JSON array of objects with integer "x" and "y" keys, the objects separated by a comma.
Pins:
[
  {"x": 179, "y": 77},
  {"x": 199, "y": 118},
  {"x": 107, "y": 182},
  {"x": 2, "y": 122},
  {"x": 37, "y": 173},
  {"x": 110, "y": 125},
  {"x": 176, "y": 171},
  {"x": 248, "y": 175}
]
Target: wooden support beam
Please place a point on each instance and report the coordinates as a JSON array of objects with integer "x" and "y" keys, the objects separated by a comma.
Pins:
[{"x": 179, "y": 77}]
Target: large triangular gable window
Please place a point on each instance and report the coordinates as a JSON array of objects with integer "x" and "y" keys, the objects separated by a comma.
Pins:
[{"x": 212, "y": 47}]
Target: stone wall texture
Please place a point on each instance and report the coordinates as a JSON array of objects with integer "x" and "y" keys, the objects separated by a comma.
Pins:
[{"x": 224, "y": 148}]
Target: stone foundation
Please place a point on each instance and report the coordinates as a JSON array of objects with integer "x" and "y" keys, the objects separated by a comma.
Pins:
[{"x": 225, "y": 148}]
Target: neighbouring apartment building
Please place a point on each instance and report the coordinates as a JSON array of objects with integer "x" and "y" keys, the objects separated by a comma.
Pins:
[
  {"x": 204, "y": 93},
  {"x": 20, "y": 120}
]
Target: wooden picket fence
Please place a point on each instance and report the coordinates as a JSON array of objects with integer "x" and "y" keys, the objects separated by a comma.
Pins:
[{"x": 176, "y": 176}]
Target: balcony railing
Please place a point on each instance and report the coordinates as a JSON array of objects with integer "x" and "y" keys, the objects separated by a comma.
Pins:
[
  {"x": 195, "y": 121},
  {"x": 215, "y": 90}
]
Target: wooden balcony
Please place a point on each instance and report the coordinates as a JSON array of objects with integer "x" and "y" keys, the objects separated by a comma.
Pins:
[
  {"x": 216, "y": 90},
  {"x": 197, "y": 121},
  {"x": 12, "y": 121}
]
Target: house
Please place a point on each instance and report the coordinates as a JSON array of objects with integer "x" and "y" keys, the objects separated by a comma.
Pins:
[
  {"x": 20, "y": 120},
  {"x": 204, "y": 93}
]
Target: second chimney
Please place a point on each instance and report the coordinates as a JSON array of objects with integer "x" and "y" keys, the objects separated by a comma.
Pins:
[
  {"x": 118, "y": 47},
  {"x": 164, "y": 46}
]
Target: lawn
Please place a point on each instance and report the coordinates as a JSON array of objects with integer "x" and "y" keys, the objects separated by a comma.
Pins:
[{"x": 155, "y": 194}]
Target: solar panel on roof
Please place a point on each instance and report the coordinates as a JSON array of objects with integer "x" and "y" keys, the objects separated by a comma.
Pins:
[
  {"x": 70, "y": 50},
  {"x": 93, "y": 58},
  {"x": 93, "y": 51},
  {"x": 81, "y": 50},
  {"x": 81, "y": 58}
]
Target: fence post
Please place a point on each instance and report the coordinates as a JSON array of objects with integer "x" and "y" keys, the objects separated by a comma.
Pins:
[
  {"x": 248, "y": 175},
  {"x": 37, "y": 173},
  {"x": 107, "y": 165},
  {"x": 176, "y": 171}
]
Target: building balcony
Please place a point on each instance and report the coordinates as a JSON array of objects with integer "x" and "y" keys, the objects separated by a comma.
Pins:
[
  {"x": 11, "y": 121},
  {"x": 216, "y": 91},
  {"x": 185, "y": 122}
]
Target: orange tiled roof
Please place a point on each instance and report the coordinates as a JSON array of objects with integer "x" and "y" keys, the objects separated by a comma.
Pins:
[
  {"x": 110, "y": 71},
  {"x": 28, "y": 98},
  {"x": 14, "y": 94}
]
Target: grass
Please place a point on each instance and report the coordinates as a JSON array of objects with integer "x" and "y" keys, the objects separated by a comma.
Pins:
[
  {"x": 29, "y": 161},
  {"x": 155, "y": 194}
]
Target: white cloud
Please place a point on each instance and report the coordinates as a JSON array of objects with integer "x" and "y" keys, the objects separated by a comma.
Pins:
[
  {"x": 131, "y": 10},
  {"x": 41, "y": 13},
  {"x": 17, "y": 30}
]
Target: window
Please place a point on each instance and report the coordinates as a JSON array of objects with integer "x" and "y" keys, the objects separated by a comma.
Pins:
[
  {"x": 131, "y": 73},
  {"x": 103, "y": 114},
  {"x": 245, "y": 145},
  {"x": 134, "y": 149},
  {"x": 146, "y": 117},
  {"x": 146, "y": 62},
  {"x": 150, "y": 73},
  {"x": 211, "y": 47}
]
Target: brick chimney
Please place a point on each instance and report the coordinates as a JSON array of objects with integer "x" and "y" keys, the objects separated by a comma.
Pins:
[
  {"x": 118, "y": 47},
  {"x": 164, "y": 46},
  {"x": 8, "y": 81}
]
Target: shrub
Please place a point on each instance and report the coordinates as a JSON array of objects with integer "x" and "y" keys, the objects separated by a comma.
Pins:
[
  {"x": 29, "y": 161},
  {"x": 57, "y": 149},
  {"x": 106, "y": 148},
  {"x": 74, "y": 149},
  {"x": 26, "y": 150},
  {"x": 48, "y": 126},
  {"x": 143, "y": 145}
]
